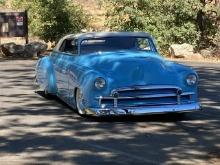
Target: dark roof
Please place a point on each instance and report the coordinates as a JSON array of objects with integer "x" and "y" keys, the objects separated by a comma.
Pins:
[
  {"x": 82, "y": 36},
  {"x": 108, "y": 34}
]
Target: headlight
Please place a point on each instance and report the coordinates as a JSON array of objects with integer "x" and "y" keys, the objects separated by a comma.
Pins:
[
  {"x": 100, "y": 83},
  {"x": 191, "y": 79}
]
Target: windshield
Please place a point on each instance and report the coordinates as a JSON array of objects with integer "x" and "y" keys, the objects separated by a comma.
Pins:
[{"x": 115, "y": 44}]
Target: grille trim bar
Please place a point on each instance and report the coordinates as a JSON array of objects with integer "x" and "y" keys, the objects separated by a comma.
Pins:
[
  {"x": 152, "y": 87},
  {"x": 145, "y": 96}
]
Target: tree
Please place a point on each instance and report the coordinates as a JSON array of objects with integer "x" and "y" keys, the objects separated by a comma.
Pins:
[
  {"x": 207, "y": 20},
  {"x": 51, "y": 19},
  {"x": 170, "y": 21},
  {"x": 2, "y": 2}
]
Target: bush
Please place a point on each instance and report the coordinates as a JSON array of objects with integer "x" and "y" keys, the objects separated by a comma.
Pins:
[
  {"x": 208, "y": 18},
  {"x": 51, "y": 19},
  {"x": 170, "y": 21},
  {"x": 2, "y": 2}
]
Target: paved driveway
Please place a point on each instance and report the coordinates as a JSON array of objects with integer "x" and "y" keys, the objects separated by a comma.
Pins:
[{"x": 34, "y": 129}]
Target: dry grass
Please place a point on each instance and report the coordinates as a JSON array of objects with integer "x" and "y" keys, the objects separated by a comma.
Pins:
[
  {"x": 96, "y": 12},
  {"x": 17, "y": 40},
  {"x": 210, "y": 59}
]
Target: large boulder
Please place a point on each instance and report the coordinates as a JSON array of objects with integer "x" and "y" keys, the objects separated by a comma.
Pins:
[
  {"x": 195, "y": 57},
  {"x": 30, "y": 50},
  {"x": 33, "y": 49},
  {"x": 1, "y": 53},
  {"x": 181, "y": 50},
  {"x": 11, "y": 49},
  {"x": 8, "y": 48}
]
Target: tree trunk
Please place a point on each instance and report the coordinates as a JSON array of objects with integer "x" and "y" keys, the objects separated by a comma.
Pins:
[{"x": 217, "y": 2}]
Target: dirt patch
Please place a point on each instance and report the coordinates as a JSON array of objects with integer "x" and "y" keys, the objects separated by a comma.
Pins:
[{"x": 192, "y": 59}]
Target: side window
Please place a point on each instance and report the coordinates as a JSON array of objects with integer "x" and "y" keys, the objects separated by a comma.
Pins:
[
  {"x": 62, "y": 46},
  {"x": 143, "y": 44},
  {"x": 69, "y": 46}
]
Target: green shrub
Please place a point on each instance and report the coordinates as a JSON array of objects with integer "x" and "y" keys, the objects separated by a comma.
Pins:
[
  {"x": 51, "y": 19},
  {"x": 2, "y": 2},
  {"x": 170, "y": 21}
]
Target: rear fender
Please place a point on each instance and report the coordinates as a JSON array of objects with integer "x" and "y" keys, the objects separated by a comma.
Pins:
[{"x": 45, "y": 75}]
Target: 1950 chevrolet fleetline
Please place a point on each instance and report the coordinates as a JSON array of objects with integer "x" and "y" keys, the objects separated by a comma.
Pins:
[{"x": 116, "y": 73}]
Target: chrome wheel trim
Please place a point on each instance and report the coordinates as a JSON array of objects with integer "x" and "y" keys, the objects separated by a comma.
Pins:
[
  {"x": 79, "y": 105},
  {"x": 46, "y": 93}
]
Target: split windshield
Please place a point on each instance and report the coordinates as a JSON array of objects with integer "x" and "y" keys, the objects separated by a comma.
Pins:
[{"x": 116, "y": 44}]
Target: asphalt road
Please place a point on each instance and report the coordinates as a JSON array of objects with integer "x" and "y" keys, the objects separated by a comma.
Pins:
[{"x": 34, "y": 129}]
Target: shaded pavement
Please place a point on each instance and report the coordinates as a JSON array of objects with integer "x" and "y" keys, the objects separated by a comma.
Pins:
[{"x": 34, "y": 129}]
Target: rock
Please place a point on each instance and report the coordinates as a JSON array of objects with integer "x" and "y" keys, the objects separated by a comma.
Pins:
[
  {"x": 18, "y": 50},
  {"x": 11, "y": 49},
  {"x": 216, "y": 53},
  {"x": 181, "y": 50},
  {"x": 50, "y": 45},
  {"x": 206, "y": 53},
  {"x": 1, "y": 53},
  {"x": 29, "y": 50},
  {"x": 195, "y": 56},
  {"x": 8, "y": 48},
  {"x": 33, "y": 49}
]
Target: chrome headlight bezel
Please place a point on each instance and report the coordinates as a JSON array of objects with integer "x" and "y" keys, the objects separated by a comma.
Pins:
[
  {"x": 100, "y": 83},
  {"x": 191, "y": 79}
]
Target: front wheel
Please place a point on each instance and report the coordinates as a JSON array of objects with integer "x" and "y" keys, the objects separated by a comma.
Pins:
[{"x": 79, "y": 102}]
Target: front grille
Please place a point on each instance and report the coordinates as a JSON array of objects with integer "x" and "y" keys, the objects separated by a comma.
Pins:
[
  {"x": 140, "y": 92},
  {"x": 146, "y": 96}
]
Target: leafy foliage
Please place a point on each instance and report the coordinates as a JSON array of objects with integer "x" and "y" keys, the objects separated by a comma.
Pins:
[
  {"x": 2, "y": 2},
  {"x": 208, "y": 25},
  {"x": 51, "y": 19},
  {"x": 170, "y": 21}
]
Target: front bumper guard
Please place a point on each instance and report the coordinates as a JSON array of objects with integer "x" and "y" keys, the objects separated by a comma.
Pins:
[{"x": 145, "y": 110}]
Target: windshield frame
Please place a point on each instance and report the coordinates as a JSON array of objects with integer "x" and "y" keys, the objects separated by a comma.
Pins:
[{"x": 150, "y": 40}]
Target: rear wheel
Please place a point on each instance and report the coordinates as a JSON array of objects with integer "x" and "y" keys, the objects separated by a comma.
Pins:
[
  {"x": 79, "y": 102},
  {"x": 49, "y": 86},
  {"x": 44, "y": 92}
]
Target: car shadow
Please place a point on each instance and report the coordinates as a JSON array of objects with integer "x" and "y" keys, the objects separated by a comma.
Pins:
[{"x": 167, "y": 117}]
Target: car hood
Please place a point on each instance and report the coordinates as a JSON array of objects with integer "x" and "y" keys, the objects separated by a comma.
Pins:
[
  {"x": 109, "y": 61},
  {"x": 128, "y": 68}
]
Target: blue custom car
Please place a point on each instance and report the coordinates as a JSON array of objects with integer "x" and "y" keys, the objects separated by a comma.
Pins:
[{"x": 116, "y": 73}]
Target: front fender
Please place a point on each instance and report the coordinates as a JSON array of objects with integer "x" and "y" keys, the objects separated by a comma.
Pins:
[{"x": 84, "y": 78}]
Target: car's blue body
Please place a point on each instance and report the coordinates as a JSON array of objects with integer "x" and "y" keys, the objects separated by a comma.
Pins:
[{"x": 144, "y": 81}]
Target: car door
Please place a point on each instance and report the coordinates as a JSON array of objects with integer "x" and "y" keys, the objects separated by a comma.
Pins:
[
  {"x": 59, "y": 62},
  {"x": 71, "y": 52},
  {"x": 67, "y": 52}
]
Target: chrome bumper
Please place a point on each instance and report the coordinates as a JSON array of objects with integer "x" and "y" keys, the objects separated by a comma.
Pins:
[{"x": 179, "y": 108}]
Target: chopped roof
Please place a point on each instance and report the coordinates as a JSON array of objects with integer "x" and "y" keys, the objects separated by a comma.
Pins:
[
  {"x": 108, "y": 34},
  {"x": 82, "y": 36}
]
